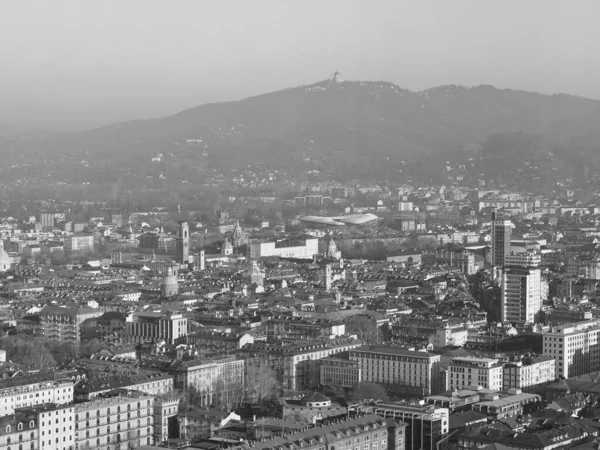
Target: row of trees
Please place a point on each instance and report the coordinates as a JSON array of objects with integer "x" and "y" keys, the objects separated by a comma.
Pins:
[{"x": 39, "y": 353}]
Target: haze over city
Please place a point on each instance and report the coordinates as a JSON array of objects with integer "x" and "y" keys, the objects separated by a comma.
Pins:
[{"x": 74, "y": 65}]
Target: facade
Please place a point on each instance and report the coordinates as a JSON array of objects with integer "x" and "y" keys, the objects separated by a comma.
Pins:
[
  {"x": 368, "y": 432},
  {"x": 524, "y": 259},
  {"x": 521, "y": 294},
  {"x": 19, "y": 429},
  {"x": 214, "y": 379},
  {"x": 464, "y": 261},
  {"x": 114, "y": 422},
  {"x": 219, "y": 341},
  {"x": 295, "y": 364},
  {"x": 55, "y": 426},
  {"x": 152, "y": 326},
  {"x": 284, "y": 249},
  {"x": 340, "y": 372},
  {"x": 501, "y": 234},
  {"x": 468, "y": 371},
  {"x": 63, "y": 323},
  {"x": 155, "y": 241},
  {"x": 575, "y": 348},
  {"x": 530, "y": 373},
  {"x": 426, "y": 425},
  {"x": 407, "y": 372},
  {"x": 78, "y": 244},
  {"x": 35, "y": 390}
]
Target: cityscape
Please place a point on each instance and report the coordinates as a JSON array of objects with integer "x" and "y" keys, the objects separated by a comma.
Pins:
[{"x": 210, "y": 240}]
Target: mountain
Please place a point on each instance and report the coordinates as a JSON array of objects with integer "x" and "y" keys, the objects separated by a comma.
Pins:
[{"x": 348, "y": 128}]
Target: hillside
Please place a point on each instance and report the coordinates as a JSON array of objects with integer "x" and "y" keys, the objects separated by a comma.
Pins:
[{"x": 351, "y": 128}]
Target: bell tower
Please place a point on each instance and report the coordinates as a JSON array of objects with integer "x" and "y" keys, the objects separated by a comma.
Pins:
[{"x": 183, "y": 243}]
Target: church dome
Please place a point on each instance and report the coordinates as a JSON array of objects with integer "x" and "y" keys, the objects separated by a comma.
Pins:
[{"x": 169, "y": 285}]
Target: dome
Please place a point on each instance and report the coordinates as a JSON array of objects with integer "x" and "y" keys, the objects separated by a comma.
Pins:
[{"x": 169, "y": 285}]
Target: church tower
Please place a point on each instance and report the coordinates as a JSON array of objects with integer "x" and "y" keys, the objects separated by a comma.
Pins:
[
  {"x": 183, "y": 243},
  {"x": 328, "y": 278},
  {"x": 169, "y": 285}
]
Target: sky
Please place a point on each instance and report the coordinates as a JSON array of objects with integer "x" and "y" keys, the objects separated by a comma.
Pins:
[{"x": 72, "y": 64}]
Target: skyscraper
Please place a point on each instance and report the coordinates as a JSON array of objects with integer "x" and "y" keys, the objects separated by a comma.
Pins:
[
  {"x": 501, "y": 234},
  {"x": 521, "y": 294},
  {"x": 183, "y": 243}
]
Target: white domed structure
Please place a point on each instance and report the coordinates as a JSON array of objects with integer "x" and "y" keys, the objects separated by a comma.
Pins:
[
  {"x": 169, "y": 285},
  {"x": 4, "y": 258}
]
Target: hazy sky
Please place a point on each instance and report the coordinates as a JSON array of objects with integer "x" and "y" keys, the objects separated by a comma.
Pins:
[{"x": 74, "y": 63}]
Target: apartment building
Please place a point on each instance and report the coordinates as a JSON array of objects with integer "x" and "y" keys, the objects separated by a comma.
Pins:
[
  {"x": 114, "y": 422},
  {"x": 33, "y": 390},
  {"x": 150, "y": 326},
  {"x": 295, "y": 364},
  {"x": 366, "y": 432},
  {"x": 213, "y": 378},
  {"x": 403, "y": 370},
  {"x": 529, "y": 373},
  {"x": 524, "y": 259},
  {"x": 340, "y": 371},
  {"x": 78, "y": 244},
  {"x": 501, "y": 234},
  {"x": 468, "y": 371},
  {"x": 19, "y": 429},
  {"x": 301, "y": 249},
  {"x": 575, "y": 347},
  {"x": 64, "y": 323},
  {"x": 152, "y": 383},
  {"x": 55, "y": 426},
  {"x": 464, "y": 261},
  {"x": 521, "y": 294}
]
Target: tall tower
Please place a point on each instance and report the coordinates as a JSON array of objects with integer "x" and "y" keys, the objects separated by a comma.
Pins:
[
  {"x": 183, "y": 243},
  {"x": 328, "y": 279},
  {"x": 521, "y": 294},
  {"x": 202, "y": 260},
  {"x": 501, "y": 234}
]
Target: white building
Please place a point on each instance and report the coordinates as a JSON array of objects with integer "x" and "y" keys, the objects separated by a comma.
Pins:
[
  {"x": 284, "y": 249},
  {"x": 33, "y": 390},
  {"x": 408, "y": 371},
  {"x": 468, "y": 371},
  {"x": 521, "y": 294},
  {"x": 575, "y": 348},
  {"x": 524, "y": 259},
  {"x": 79, "y": 244}
]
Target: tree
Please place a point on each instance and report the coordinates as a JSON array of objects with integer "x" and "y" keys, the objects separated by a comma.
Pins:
[
  {"x": 364, "y": 327},
  {"x": 367, "y": 390},
  {"x": 262, "y": 383}
]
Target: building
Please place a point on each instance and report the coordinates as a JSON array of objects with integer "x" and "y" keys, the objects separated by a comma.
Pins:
[
  {"x": 19, "y": 429},
  {"x": 367, "y": 432},
  {"x": 529, "y": 373},
  {"x": 521, "y": 300},
  {"x": 219, "y": 341},
  {"x": 468, "y": 371},
  {"x": 465, "y": 261},
  {"x": 204, "y": 423},
  {"x": 183, "y": 243},
  {"x": 34, "y": 390},
  {"x": 501, "y": 234},
  {"x": 79, "y": 244},
  {"x": 151, "y": 383},
  {"x": 340, "y": 371},
  {"x": 574, "y": 347},
  {"x": 298, "y": 249},
  {"x": 55, "y": 427},
  {"x": 46, "y": 219},
  {"x": 216, "y": 379},
  {"x": 426, "y": 425},
  {"x": 150, "y": 326},
  {"x": 5, "y": 261},
  {"x": 524, "y": 259},
  {"x": 64, "y": 323},
  {"x": 164, "y": 410},
  {"x": 295, "y": 364},
  {"x": 122, "y": 422},
  {"x": 404, "y": 371}
]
